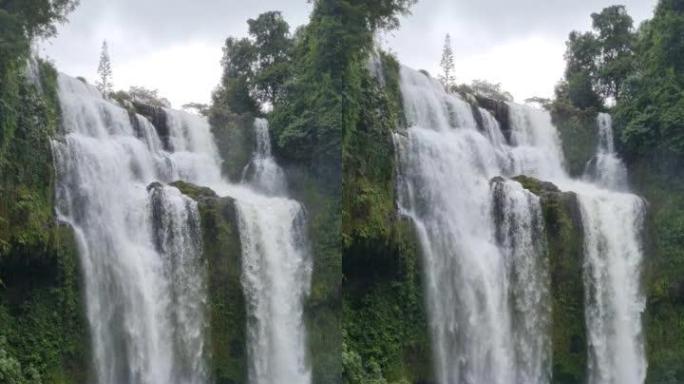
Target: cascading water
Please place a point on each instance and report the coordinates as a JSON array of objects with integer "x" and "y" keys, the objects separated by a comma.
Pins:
[
  {"x": 139, "y": 243},
  {"x": 606, "y": 169},
  {"x": 613, "y": 257},
  {"x": 276, "y": 272},
  {"x": 484, "y": 257},
  {"x": 139, "y": 249},
  {"x": 482, "y": 323}
]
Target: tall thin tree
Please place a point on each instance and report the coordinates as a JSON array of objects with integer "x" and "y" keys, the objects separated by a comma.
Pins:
[
  {"x": 104, "y": 71},
  {"x": 448, "y": 72}
]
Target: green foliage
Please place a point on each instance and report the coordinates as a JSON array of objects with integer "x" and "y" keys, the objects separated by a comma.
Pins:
[
  {"x": 41, "y": 310},
  {"x": 379, "y": 14},
  {"x": 323, "y": 98},
  {"x": 578, "y": 88},
  {"x": 38, "y": 17},
  {"x": 10, "y": 368},
  {"x": 141, "y": 95},
  {"x": 256, "y": 68},
  {"x": 227, "y": 310},
  {"x": 615, "y": 37},
  {"x": 381, "y": 260},
  {"x": 650, "y": 113},
  {"x": 490, "y": 90},
  {"x": 659, "y": 179},
  {"x": 598, "y": 62},
  {"x": 273, "y": 46}
]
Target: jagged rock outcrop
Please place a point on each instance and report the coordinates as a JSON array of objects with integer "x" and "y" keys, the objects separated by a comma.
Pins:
[
  {"x": 500, "y": 111},
  {"x": 565, "y": 246},
  {"x": 157, "y": 116},
  {"x": 227, "y": 314}
]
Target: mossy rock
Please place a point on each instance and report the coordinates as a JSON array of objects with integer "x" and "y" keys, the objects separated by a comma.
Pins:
[
  {"x": 193, "y": 191},
  {"x": 538, "y": 187},
  {"x": 222, "y": 250},
  {"x": 659, "y": 178},
  {"x": 565, "y": 247}
]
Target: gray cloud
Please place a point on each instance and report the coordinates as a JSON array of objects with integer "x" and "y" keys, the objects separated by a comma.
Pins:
[
  {"x": 138, "y": 27},
  {"x": 477, "y": 26}
]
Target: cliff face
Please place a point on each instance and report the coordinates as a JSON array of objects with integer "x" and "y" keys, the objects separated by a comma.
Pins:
[
  {"x": 384, "y": 319},
  {"x": 661, "y": 182},
  {"x": 565, "y": 252},
  {"x": 227, "y": 314},
  {"x": 43, "y": 330}
]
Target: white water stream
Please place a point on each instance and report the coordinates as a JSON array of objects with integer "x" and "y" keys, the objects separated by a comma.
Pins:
[
  {"x": 487, "y": 276},
  {"x": 140, "y": 246}
]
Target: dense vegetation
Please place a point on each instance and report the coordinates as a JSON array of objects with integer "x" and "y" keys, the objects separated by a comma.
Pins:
[
  {"x": 43, "y": 332},
  {"x": 638, "y": 77},
  {"x": 332, "y": 122}
]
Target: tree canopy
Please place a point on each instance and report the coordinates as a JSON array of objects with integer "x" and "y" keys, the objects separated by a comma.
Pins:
[
  {"x": 650, "y": 112},
  {"x": 597, "y": 62},
  {"x": 21, "y": 21}
]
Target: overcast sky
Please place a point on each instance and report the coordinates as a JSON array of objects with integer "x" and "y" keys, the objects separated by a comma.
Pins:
[{"x": 175, "y": 45}]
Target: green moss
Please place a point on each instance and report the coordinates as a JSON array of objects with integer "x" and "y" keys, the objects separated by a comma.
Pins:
[
  {"x": 660, "y": 180},
  {"x": 386, "y": 334},
  {"x": 227, "y": 313},
  {"x": 42, "y": 311},
  {"x": 565, "y": 244},
  {"x": 384, "y": 315},
  {"x": 193, "y": 191},
  {"x": 323, "y": 306}
]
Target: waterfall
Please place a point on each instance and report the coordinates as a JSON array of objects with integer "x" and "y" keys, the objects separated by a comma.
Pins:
[
  {"x": 477, "y": 272},
  {"x": 140, "y": 244},
  {"x": 612, "y": 225},
  {"x": 606, "y": 168},
  {"x": 276, "y": 272},
  {"x": 484, "y": 256},
  {"x": 263, "y": 172},
  {"x": 139, "y": 249}
]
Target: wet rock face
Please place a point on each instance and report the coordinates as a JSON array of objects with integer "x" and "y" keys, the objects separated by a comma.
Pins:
[
  {"x": 565, "y": 251},
  {"x": 222, "y": 250},
  {"x": 157, "y": 116},
  {"x": 538, "y": 187},
  {"x": 193, "y": 191},
  {"x": 500, "y": 111}
]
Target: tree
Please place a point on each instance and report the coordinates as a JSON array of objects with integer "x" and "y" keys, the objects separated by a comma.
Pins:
[
  {"x": 148, "y": 96},
  {"x": 615, "y": 37},
  {"x": 598, "y": 62},
  {"x": 447, "y": 63},
  {"x": 650, "y": 112},
  {"x": 272, "y": 44},
  {"x": 490, "y": 90},
  {"x": 581, "y": 72},
  {"x": 38, "y": 17},
  {"x": 198, "y": 108},
  {"x": 104, "y": 71},
  {"x": 22, "y": 21},
  {"x": 379, "y": 14}
]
